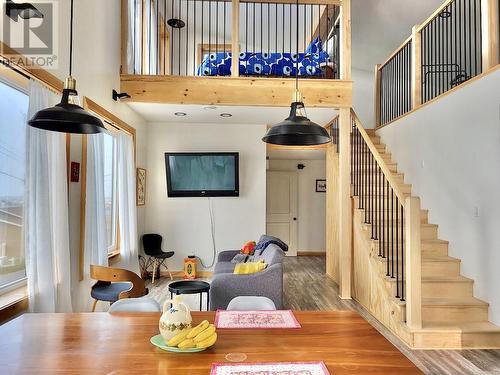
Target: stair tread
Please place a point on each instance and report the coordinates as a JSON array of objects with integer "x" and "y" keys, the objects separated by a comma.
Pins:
[
  {"x": 467, "y": 327},
  {"x": 439, "y": 258},
  {"x": 439, "y": 278},
  {"x": 464, "y": 301}
]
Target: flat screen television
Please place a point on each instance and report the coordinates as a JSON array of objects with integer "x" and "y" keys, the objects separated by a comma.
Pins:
[{"x": 202, "y": 174}]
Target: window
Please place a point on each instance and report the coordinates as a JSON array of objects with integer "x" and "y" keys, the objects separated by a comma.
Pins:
[
  {"x": 14, "y": 109},
  {"x": 110, "y": 191}
]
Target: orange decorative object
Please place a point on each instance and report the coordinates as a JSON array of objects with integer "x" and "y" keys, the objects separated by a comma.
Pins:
[
  {"x": 190, "y": 268},
  {"x": 248, "y": 248}
]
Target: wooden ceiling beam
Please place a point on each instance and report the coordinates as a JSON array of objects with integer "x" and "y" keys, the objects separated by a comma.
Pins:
[{"x": 270, "y": 92}]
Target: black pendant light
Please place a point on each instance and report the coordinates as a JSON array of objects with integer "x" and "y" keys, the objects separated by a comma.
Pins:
[
  {"x": 67, "y": 116},
  {"x": 297, "y": 129}
]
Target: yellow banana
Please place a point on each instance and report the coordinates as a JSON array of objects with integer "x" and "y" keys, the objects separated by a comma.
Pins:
[
  {"x": 207, "y": 342},
  {"x": 198, "y": 329},
  {"x": 180, "y": 337},
  {"x": 186, "y": 344},
  {"x": 205, "y": 334}
]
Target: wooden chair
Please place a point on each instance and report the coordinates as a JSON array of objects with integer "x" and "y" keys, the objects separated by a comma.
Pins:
[{"x": 114, "y": 284}]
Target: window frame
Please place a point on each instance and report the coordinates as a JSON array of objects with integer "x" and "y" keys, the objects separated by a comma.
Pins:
[
  {"x": 114, "y": 125},
  {"x": 19, "y": 82}
]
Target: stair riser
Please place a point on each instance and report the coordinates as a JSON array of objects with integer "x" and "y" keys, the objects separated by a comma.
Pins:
[
  {"x": 436, "y": 289},
  {"x": 454, "y": 314},
  {"x": 440, "y": 268},
  {"x": 434, "y": 249},
  {"x": 428, "y": 232},
  {"x": 481, "y": 340}
]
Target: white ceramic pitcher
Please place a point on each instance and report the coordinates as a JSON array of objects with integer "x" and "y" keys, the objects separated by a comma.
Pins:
[{"x": 174, "y": 319}]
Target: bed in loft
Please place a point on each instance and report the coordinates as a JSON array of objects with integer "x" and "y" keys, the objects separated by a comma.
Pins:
[{"x": 311, "y": 63}]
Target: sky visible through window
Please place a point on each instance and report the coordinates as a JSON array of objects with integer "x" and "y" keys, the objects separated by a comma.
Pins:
[{"x": 14, "y": 108}]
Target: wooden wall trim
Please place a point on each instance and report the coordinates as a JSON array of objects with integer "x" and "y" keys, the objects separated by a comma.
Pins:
[
  {"x": 328, "y": 93},
  {"x": 413, "y": 263}
]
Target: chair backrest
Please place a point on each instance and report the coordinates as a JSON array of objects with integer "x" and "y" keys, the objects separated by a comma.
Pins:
[
  {"x": 248, "y": 303},
  {"x": 152, "y": 243},
  {"x": 101, "y": 273},
  {"x": 143, "y": 304}
]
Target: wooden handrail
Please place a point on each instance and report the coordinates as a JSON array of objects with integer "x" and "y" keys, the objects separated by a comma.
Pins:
[
  {"x": 330, "y": 123},
  {"x": 380, "y": 161}
]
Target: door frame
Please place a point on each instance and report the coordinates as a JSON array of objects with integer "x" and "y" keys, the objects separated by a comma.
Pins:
[{"x": 294, "y": 195}]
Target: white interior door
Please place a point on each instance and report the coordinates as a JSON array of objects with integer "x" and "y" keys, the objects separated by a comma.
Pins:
[{"x": 281, "y": 218}]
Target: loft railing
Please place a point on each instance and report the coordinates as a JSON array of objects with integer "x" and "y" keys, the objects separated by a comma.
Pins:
[
  {"x": 456, "y": 43},
  {"x": 393, "y": 218},
  {"x": 215, "y": 30}
]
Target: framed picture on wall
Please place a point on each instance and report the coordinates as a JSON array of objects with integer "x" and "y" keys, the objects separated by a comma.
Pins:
[
  {"x": 140, "y": 187},
  {"x": 320, "y": 186}
]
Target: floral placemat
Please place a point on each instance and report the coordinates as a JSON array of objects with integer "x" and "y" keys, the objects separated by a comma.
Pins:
[
  {"x": 278, "y": 368},
  {"x": 256, "y": 319}
]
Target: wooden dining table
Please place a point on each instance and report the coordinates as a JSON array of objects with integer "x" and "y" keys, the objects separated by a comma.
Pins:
[{"x": 104, "y": 343}]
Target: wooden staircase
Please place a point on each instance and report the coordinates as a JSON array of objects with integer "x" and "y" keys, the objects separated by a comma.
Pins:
[{"x": 451, "y": 316}]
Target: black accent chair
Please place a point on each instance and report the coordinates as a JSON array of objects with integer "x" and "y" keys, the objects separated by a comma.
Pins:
[{"x": 157, "y": 257}]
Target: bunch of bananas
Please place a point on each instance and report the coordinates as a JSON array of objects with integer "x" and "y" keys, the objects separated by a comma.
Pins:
[{"x": 202, "y": 336}]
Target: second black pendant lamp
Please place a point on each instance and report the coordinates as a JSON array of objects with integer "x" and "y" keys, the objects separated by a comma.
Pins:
[
  {"x": 297, "y": 129},
  {"x": 68, "y": 116}
]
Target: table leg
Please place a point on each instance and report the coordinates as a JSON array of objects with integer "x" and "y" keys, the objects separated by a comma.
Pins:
[
  {"x": 208, "y": 301},
  {"x": 201, "y": 297}
]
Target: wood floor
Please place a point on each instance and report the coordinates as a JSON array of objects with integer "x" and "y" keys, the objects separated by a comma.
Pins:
[{"x": 307, "y": 287}]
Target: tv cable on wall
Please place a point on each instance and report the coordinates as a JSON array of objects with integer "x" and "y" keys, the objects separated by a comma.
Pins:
[{"x": 212, "y": 232}]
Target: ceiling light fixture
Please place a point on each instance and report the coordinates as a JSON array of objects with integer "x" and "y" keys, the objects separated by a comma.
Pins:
[
  {"x": 119, "y": 95},
  {"x": 297, "y": 129},
  {"x": 180, "y": 114},
  {"x": 25, "y": 11},
  {"x": 68, "y": 116},
  {"x": 176, "y": 23},
  {"x": 226, "y": 115}
]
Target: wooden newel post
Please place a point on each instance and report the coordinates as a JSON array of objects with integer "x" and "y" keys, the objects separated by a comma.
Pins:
[
  {"x": 489, "y": 33},
  {"x": 416, "y": 68},
  {"x": 413, "y": 263},
  {"x": 235, "y": 39},
  {"x": 377, "y": 95},
  {"x": 345, "y": 203}
]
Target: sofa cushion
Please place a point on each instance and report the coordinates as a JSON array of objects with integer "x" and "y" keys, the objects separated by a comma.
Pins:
[
  {"x": 272, "y": 254},
  {"x": 224, "y": 267}
]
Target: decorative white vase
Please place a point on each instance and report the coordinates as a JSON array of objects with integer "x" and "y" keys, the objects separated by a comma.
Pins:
[{"x": 174, "y": 319}]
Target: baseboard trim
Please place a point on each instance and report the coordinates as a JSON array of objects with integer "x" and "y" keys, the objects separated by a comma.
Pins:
[{"x": 311, "y": 253}]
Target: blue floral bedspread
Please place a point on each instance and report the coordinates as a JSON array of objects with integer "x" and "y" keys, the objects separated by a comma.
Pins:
[{"x": 262, "y": 63}]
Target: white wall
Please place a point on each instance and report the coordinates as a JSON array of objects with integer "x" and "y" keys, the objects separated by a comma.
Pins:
[
  {"x": 312, "y": 205},
  {"x": 450, "y": 151},
  {"x": 184, "y": 223},
  {"x": 363, "y": 92}
]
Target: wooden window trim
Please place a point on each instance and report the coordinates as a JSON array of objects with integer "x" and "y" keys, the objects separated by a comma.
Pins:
[{"x": 116, "y": 125}]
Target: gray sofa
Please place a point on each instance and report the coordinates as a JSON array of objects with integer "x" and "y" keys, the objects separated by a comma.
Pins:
[{"x": 268, "y": 283}]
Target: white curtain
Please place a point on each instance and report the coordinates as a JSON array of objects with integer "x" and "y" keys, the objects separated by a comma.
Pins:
[
  {"x": 46, "y": 212},
  {"x": 95, "y": 249},
  {"x": 127, "y": 212}
]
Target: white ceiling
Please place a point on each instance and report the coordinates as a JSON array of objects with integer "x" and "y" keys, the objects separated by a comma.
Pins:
[
  {"x": 153, "y": 112},
  {"x": 380, "y": 26}
]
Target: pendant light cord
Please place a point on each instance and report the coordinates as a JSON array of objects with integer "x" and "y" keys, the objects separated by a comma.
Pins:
[
  {"x": 297, "y": 51},
  {"x": 71, "y": 40}
]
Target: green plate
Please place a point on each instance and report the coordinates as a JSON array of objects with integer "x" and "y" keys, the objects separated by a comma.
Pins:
[{"x": 160, "y": 343}]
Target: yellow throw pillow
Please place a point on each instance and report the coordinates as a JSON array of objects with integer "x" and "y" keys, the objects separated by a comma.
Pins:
[{"x": 248, "y": 268}]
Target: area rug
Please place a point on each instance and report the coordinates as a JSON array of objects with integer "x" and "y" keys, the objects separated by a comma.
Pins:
[
  {"x": 278, "y": 368},
  {"x": 256, "y": 319}
]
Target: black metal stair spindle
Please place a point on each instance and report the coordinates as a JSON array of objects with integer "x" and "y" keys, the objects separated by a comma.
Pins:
[
  {"x": 397, "y": 247},
  {"x": 402, "y": 253}
]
